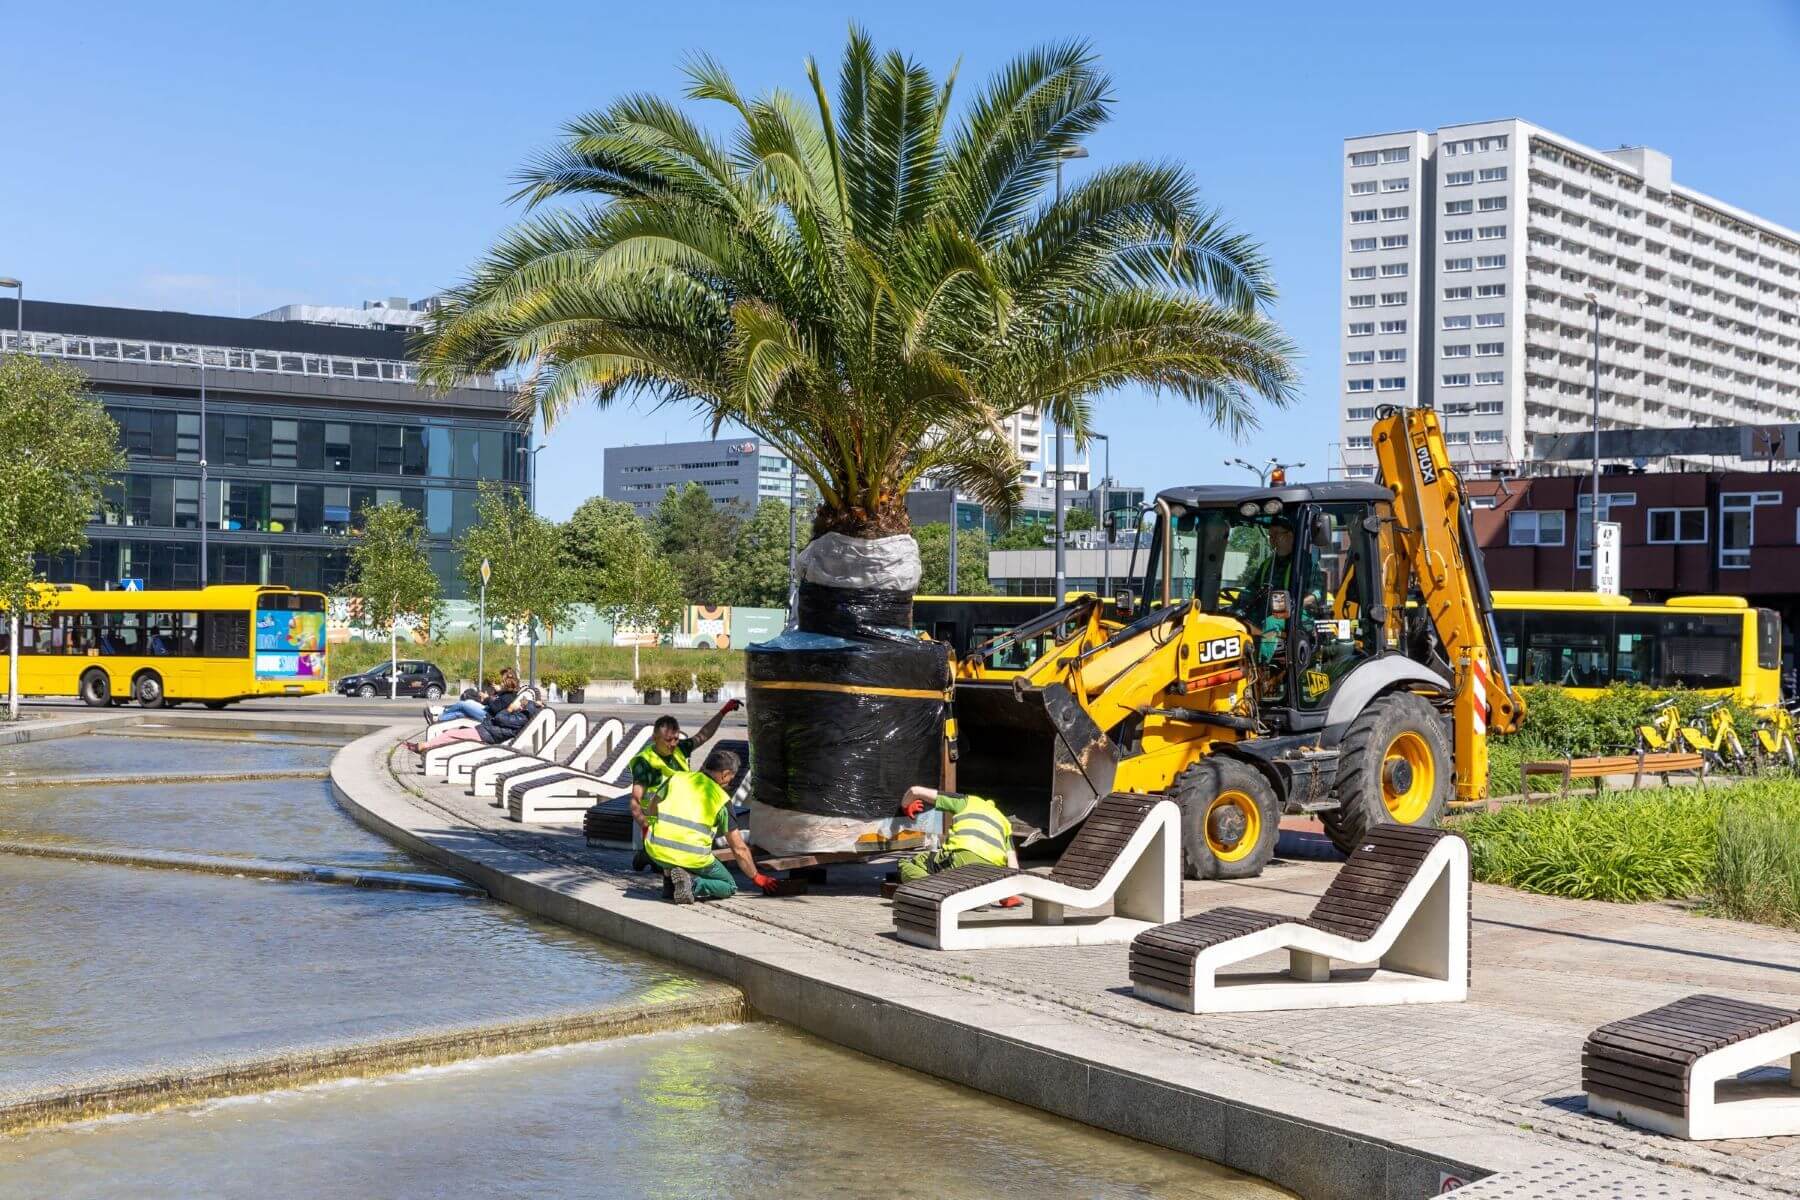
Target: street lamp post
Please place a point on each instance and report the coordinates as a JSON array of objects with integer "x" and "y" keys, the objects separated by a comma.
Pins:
[
  {"x": 1105, "y": 511},
  {"x": 1265, "y": 471},
  {"x": 793, "y": 595},
  {"x": 205, "y": 509},
  {"x": 481, "y": 632},
  {"x": 531, "y": 494},
  {"x": 1594, "y": 509},
  {"x": 1062, "y": 580},
  {"x": 953, "y": 532},
  {"x": 12, "y": 618}
]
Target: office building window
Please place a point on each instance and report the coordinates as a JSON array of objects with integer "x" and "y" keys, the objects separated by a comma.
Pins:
[
  {"x": 1362, "y": 216},
  {"x": 1457, "y": 293},
  {"x": 1358, "y": 245},
  {"x": 1457, "y": 322},
  {"x": 1489, "y": 291},
  {"x": 1353, "y": 357},
  {"x": 1493, "y": 174},
  {"x": 1396, "y": 185},
  {"x": 1676, "y": 525},
  {"x": 1491, "y": 204},
  {"x": 1396, "y": 154},
  {"x": 1459, "y": 350},
  {"x": 1490, "y": 262},
  {"x": 1490, "y": 377},
  {"x": 1489, "y": 437},
  {"x": 1456, "y": 381},
  {"x": 1490, "y": 349},
  {"x": 1393, "y": 383},
  {"x": 1364, "y": 158},
  {"x": 1489, "y": 233},
  {"x": 1393, "y": 326},
  {"x": 1395, "y": 241},
  {"x": 1363, "y": 187},
  {"x": 1536, "y": 528},
  {"x": 1362, "y": 272},
  {"x": 1490, "y": 408},
  {"x": 1459, "y": 235},
  {"x": 1360, "y": 329},
  {"x": 1392, "y": 299},
  {"x": 1393, "y": 356},
  {"x": 1457, "y": 264},
  {"x": 1363, "y": 300},
  {"x": 1584, "y": 525},
  {"x": 1458, "y": 178},
  {"x": 1393, "y": 270},
  {"x": 1397, "y": 213},
  {"x": 1490, "y": 320},
  {"x": 1358, "y": 441},
  {"x": 1359, "y": 385},
  {"x": 1359, "y": 414},
  {"x": 1457, "y": 208},
  {"x": 1737, "y": 525}
]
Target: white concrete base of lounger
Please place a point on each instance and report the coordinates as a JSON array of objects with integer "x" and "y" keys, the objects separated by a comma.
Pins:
[
  {"x": 565, "y": 794},
  {"x": 569, "y": 738},
  {"x": 1143, "y": 883},
  {"x": 602, "y": 744},
  {"x": 1723, "y": 1106},
  {"x": 1418, "y": 954},
  {"x": 437, "y": 761}
]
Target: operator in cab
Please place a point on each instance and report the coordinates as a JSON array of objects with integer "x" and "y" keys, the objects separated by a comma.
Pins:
[
  {"x": 1277, "y": 584},
  {"x": 976, "y": 833},
  {"x": 681, "y": 820}
]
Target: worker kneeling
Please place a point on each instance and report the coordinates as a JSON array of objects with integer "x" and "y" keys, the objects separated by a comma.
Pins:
[
  {"x": 682, "y": 818},
  {"x": 975, "y": 832}
]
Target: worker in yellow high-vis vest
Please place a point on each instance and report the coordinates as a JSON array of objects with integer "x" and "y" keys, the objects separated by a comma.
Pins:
[
  {"x": 975, "y": 831},
  {"x": 682, "y": 819}
]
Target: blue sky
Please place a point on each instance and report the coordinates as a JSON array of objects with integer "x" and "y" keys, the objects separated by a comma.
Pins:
[{"x": 227, "y": 158}]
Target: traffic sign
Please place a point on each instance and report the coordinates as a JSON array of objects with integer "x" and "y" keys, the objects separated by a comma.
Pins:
[
  {"x": 1606, "y": 558},
  {"x": 131, "y": 585},
  {"x": 487, "y": 570}
]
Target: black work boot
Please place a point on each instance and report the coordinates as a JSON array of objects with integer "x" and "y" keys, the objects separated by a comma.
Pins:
[{"x": 681, "y": 885}]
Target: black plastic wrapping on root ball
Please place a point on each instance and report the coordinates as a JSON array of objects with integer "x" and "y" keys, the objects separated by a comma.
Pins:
[
  {"x": 845, "y": 754},
  {"x": 853, "y": 612}
]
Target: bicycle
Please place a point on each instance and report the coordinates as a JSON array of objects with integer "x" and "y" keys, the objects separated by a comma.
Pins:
[
  {"x": 1663, "y": 733},
  {"x": 1719, "y": 743},
  {"x": 1775, "y": 733}
]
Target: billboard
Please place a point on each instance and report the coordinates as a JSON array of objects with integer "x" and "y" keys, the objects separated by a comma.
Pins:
[{"x": 290, "y": 645}]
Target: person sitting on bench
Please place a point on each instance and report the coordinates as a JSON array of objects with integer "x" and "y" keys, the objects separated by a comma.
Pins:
[
  {"x": 480, "y": 706},
  {"x": 976, "y": 832},
  {"x": 502, "y": 726},
  {"x": 683, "y": 817}
]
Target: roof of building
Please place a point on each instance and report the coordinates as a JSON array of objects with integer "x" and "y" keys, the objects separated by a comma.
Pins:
[{"x": 154, "y": 325}]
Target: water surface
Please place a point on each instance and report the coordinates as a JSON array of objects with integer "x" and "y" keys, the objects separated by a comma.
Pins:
[{"x": 103, "y": 754}]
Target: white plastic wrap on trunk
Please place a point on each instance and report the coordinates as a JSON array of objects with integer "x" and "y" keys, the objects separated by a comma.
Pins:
[
  {"x": 838, "y": 560},
  {"x": 780, "y": 831}
]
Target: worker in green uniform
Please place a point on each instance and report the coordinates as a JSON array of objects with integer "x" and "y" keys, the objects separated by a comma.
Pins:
[
  {"x": 975, "y": 832},
  {"x": 683, "y": 817},
  {"x": 1277, "y": 579},
  {"x": 666, "y": 754}
]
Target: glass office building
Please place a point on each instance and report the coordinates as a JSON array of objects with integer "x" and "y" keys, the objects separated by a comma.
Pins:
[{"x": 306, "y": 424}]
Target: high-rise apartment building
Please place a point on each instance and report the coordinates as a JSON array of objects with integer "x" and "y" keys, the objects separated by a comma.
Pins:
[
  {"x": 1026, "y": 433},
  {"x": 1475, "y": 256}
]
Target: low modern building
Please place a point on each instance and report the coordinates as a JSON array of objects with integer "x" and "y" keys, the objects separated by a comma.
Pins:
[
  {"x": 743, "y": 471},
  {"x": 1481, "y": 263},
  {"x": 311, "y": 414},
  {"x": 929, "y": 506}
]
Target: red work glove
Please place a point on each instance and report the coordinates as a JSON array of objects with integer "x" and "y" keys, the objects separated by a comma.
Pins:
[
  {"x": 768, "y": 883},
  {"x": 732, "y": 706},
  {"x": 912, "y": 808},
  {"x": 1012, "y": 902}
]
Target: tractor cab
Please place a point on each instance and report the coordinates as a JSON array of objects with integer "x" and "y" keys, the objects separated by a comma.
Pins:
[{"x": 1299, "y": 566}]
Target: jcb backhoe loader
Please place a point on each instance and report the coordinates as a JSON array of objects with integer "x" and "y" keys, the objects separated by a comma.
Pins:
[{"x": 1323, "y": 648}]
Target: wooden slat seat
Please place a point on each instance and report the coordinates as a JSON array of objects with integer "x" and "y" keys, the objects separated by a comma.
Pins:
[
  {"x": 1128, "y": 851},
  {"x": 1673, "y": 1069},
  {"x": 1598, "y": 768},
  {"x": 1401, "y": 901}
]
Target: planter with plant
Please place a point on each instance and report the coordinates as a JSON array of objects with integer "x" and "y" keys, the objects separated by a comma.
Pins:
[
  {"x": 571, "y": 684},
  {"x": 650, "y": 684},
  {"x": 677, "y": 682},
  {"x": 709, "y": 680}
]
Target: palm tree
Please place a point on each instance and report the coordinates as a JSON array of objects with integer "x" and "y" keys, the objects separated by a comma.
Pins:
[{"x": 871, "y": 282}]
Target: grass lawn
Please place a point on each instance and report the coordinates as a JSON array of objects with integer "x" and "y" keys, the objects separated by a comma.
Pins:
[{"x": 456, "y": 657}]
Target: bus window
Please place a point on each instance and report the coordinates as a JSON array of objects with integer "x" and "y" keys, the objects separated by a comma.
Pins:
[
  {"x": 1700, "y": 652},
  {"x": 1768, "y": 639},
  {"x": 1636, "y": 658},
  {"x": 1512, "y": 632},
  {"x": 1568, "y": 649}
]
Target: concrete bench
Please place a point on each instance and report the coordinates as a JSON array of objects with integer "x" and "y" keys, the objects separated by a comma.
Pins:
[
  {"x": 1128, "y": 852},
  {"x": 1675, "y": 1069},
  {"x": 602, "y": 737},
  {"x": 1597, "y": 769},
  {"x": 565, "y": 793},
  {"x": 1400, "y": 905},
  {"x": 558, "y": 750},
  {"x": 436, "y": 762},
  {"x": 609, "y": 823}
]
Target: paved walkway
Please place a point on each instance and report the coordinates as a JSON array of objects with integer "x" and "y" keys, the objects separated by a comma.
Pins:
[{"x": 1546, "y": 972}]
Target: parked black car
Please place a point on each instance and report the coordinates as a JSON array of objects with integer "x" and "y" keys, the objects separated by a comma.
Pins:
[{"x": 416, "y": 679}]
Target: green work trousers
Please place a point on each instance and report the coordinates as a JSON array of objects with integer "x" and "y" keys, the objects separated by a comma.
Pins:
[
  {"x": 930, "y": 862},
  {"x": 714, "y": 882}
]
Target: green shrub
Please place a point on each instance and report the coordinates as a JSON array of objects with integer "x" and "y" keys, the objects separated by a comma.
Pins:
[
  {"x": 709, "y": 678},
  {"x": 678, "y": 679},
  {"x": 1640, "y": 846},
  {"x": 566, "y": 681},
  {"x": 1756, "y": 875}
]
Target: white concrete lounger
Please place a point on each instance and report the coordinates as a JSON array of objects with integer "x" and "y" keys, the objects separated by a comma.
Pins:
[
  {"x": 537, "y": 731},
  {"x": 1674, "y": 1069},
  {"x": 1128, "y": 851},
  {"x": 530, "y": 740},
  {"x": 602, "y": 737},
  {"x": 566, "y": 794},
  {"x": 1400, "y": 904},
  {"x": 560, "y": 747}
]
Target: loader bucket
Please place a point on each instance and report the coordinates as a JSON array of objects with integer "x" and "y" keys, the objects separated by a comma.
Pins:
[{"x": 1034, "y": 753}]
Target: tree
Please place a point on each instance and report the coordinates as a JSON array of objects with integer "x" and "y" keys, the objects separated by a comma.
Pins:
[
  {"x": 1077, "y": 519},
  {"x": 390, "y": 577},
  {"x": 60, "y": 450},
  {"x": 756, "y": 574},
  {"x": 586, "y": 536},
  {"x": 1024, "y": 535},
  {"x": 871, "y": 282},
  {"x": 971, "y": 560},
  {"x": 531, "y": 579},
  {"x": 697, "y": 536},
  {"x": 640, "y": 586}
]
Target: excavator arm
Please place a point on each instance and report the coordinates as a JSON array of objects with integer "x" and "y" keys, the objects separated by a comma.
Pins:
[{"x": 1431, "y": 545}]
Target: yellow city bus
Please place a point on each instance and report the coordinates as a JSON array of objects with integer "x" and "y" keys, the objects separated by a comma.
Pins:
[
  {"x": 967, "y": 621},
  {"x": 214, "y": 645},
  {"x": 1583, "y": 641}
]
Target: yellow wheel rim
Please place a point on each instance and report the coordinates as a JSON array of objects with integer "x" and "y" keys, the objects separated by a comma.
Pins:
[
  {"x": 1408, "y": 778},
  {"x": 1226, "y": 809}
]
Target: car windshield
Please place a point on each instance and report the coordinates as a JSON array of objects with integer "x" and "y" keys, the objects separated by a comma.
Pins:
[{"x": 1223, "y": 559}]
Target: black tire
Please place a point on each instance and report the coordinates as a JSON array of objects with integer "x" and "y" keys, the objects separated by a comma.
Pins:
[
  {"x": 1372, "y": 792},
  {"x": 96, "y": 689},
  {"x": 366, "y": 691},
  {"x": 434, "y": 692},
  {"x": 1230, "y": 819},
  {"x": 216, "y": 705},
  {"x": 147, "y": 689}
]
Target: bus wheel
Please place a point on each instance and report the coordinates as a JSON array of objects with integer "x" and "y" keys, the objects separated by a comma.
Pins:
[
  {"x": 148, "y": 688},
  {"x": 216, "y": 705},
  {"x": 96, "y": 689}
]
